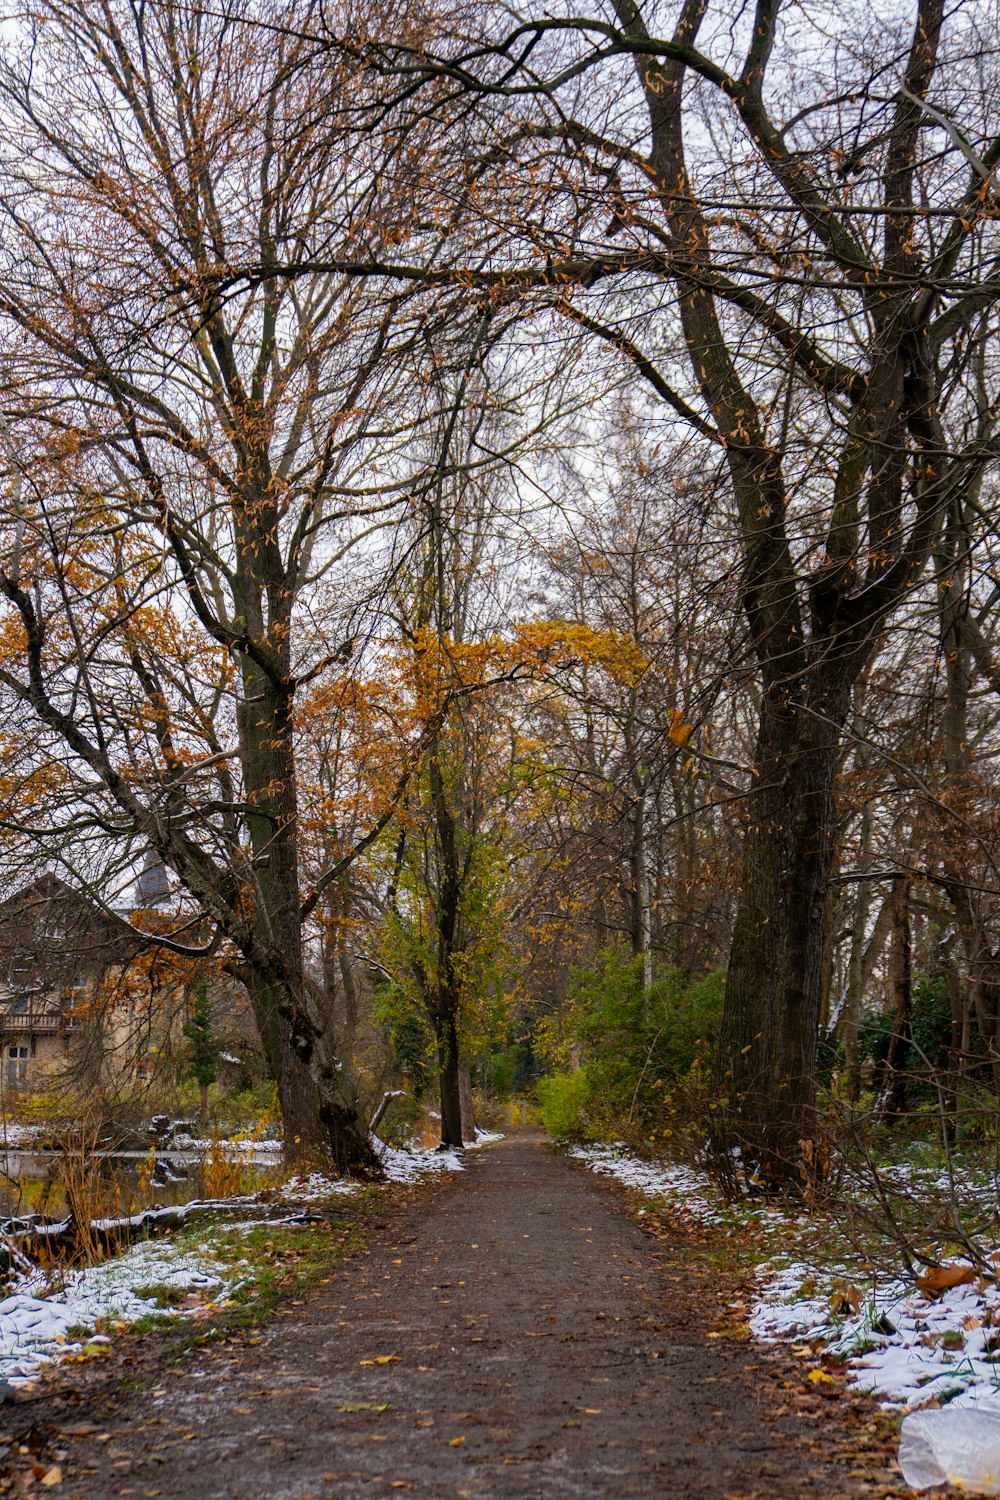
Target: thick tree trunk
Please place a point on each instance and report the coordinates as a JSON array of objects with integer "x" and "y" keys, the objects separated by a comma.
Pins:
[
  {"x": 297, "y": 1099},
  {"x": 315, "y": 1108},
  {"x": 465, "y": 1094},
  {"x": 774, "y": 985},
  {"x": 446, "y": 999},
  {"x": 297, "y": 1102},
  {"x": 449, "y": 1081}
]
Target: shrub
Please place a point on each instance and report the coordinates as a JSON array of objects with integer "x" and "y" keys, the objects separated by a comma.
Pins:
[
  {"x": 634, "y": 1043},
  {"x": 931, "y": 1022},
  {"x": 564, "y": 1099}
]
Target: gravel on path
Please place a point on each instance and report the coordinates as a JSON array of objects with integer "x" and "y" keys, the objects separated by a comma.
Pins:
[{"x": 515, "y": 1336}]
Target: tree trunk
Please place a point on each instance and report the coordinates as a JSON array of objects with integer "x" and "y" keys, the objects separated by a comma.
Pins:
[
  {"x": 447, "y": 997},
  {"x": 954, "y": 1087},
  {"x": 640, "y": 916},
  {"x": 892, "y": 1104},
  {"x": 297, "y": 1099},
  {"x": 350, "y": 993},
  {"x": 864, "y": 957},
  {"x": 465, "y": 1094},
  {"x": 774, "y": 985},
  {"x": 315, "y": 1109},
  {"x": 850, "y": 1017},
  {"x": 450, "y": 1082},
  {"x": 639, "y": 872}
]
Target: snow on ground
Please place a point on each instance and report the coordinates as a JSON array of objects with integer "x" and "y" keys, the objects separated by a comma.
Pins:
[
  {"x": 902, "y": 1346},
  {"x": 50, "y": 1315},
  {"x": 410, "y": 1166},
  {"x": 685, "y": 1188},
  {"x": 13, "y": 1135},
  {"x": 250, "y": 1146},
  {"x": 314, "y": 1186},
  {"x": 45, "y": 1319}
]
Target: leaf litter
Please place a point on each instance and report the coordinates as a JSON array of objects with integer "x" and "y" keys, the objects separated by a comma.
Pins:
[{"x": 916, "y": 1344}]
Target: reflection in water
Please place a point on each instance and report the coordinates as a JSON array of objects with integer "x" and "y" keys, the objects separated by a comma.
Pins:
[{"x": 118, "y": 1182}]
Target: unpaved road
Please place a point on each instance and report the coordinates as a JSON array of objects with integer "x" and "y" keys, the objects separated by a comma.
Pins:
[{"x": 528, "y": 1341}]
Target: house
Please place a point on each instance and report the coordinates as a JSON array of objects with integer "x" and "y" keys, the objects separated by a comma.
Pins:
[
  {"x": 80, "y": 987},
  {"x": 57, "y": 949}
]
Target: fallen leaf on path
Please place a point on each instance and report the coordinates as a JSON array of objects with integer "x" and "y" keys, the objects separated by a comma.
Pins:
[
  {"x": 380, "y": 1359},
  {"x": 52, "y": 1476},
  {"x": 364, "y": 1406},
  {"x": 456, "y": 1442}
]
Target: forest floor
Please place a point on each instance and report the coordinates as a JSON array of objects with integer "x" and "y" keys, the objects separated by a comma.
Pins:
[{"x": 511, "y": 1331}]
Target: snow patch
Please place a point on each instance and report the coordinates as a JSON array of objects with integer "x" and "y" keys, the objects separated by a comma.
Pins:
[
  {"x": 14, "y": 1135},
  {"x": 250, "y": 1146},
  {"x": 314, "y": 1186},
  {"x": 35, "y": 1321},
  {"x": 410, "y": 1166},
  {"x": 901, "y": 1346}
]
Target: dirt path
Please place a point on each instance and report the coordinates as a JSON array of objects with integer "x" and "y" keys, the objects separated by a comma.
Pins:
[{"x": 528, "y": 1341}]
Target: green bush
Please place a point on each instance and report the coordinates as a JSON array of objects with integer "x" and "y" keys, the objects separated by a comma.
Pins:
[
  {"x": 633, "y": 1043},
  {"x": 564, "y": 1100},
  {"x": 931, "y": 1019},
  {"x": 496, "y": 1073}
]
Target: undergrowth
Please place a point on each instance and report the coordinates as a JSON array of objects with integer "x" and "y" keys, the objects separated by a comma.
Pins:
[{"x": 266, "y": 1264}]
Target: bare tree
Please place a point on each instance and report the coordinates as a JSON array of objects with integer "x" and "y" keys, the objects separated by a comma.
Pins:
[
  {"x": 186, "y": 467},
  {"x": 789, "y": 237}
]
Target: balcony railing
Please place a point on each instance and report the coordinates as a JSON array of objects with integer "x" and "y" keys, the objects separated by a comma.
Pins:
[{"x": 37, "y": 1022}]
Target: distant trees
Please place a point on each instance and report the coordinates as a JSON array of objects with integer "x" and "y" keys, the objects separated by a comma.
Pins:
[{"x": 643, "y": 732}]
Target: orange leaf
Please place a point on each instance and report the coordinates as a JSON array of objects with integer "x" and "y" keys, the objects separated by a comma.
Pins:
[
  {"x": 680, "y": 732},
  {"x": 938, "y": 1279}
]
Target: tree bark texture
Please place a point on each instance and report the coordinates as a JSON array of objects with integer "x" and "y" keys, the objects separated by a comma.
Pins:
[{"x": 767, "y": 1053}]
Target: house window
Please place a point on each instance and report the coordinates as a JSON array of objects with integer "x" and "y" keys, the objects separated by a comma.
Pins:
[{"x": 17, "y": 1065}]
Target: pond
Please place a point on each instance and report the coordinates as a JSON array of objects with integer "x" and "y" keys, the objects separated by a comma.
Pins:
[{"x": 108, "y": 1184}]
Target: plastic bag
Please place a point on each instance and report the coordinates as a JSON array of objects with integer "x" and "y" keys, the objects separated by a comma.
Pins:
[{"x": 954, "y": 1445}]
